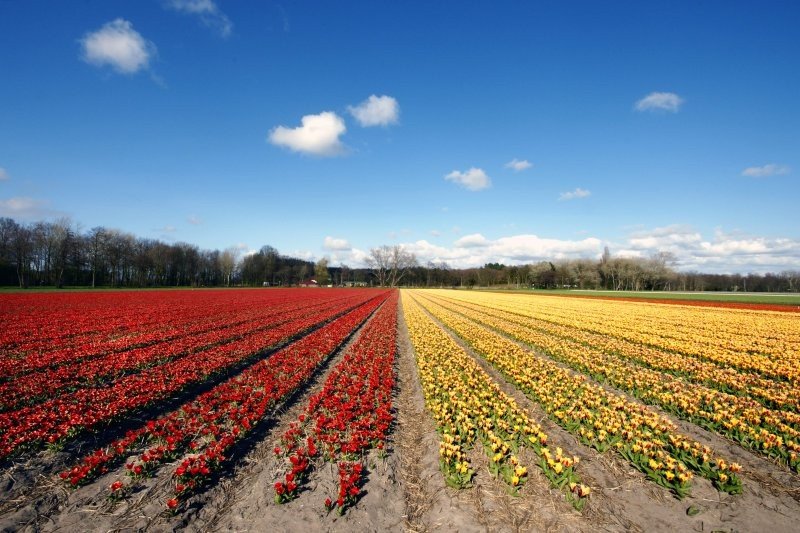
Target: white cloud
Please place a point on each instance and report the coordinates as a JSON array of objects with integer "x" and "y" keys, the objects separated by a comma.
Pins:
[
  {"x": 303, "y": 254},
  {"x": 518, "y": 165},
  {"x": 656, "y": 101},
  {"x": 436, "y": 233},
  {"x": 194, "y": 220},
  {"x": 767, "y": 170},
  {"x": 4, "y": 175},
  {"x": 353, "y": 258},
  {"x": 724, "y": 253},
  {"x": 25, "y": 208},
  {"x": 118, "y": 45},
  {"x": 476, "y": 250},
  {"x": 317, "y": 135},
  {"x": 475, "y": 240},
  {"x": 376, "y": 111},
  {"x": 577, "y": 193},
  {"x": 168, "y": 229},
  {"x": 473, "y": 179},
  {"x": 664, "y": 238},
  {"x": 207, "y": 11},
  {"x": 332, "y": 243}
]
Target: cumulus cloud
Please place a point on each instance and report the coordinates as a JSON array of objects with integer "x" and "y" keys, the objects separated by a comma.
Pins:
[
  {"x": 25, "y": 208},
  {"x": 722, "y": 253},
  {"x": 353, "y": 258},
  {"x": 332, "y": 243},
  {"x": 664, "y": 238},
  {"x": 577, "y": 193},
  {"x": 473, "y": 179},
  {"x": 119, "y": 46},
  {"x": 767, "y": 170},
  {"x": 4, "y": 175},
  {"x": 194, "y": 220},
  {"x": 207, "y": 12},
  {"x": 657, "y": 101},
  {"x": 303, "y": 254},
  {"x": 518, "y": 165},
  {"x": 376, "y": 111},
  {"x": 475, "y": 240},
  {"x": 476, "y": 250},
  {"x": 317, "y": 135}
]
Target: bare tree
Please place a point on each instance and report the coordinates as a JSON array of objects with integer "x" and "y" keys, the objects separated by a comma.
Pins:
[
  {"x": 378, "y": 261},
  {"x": 792, "y": 278},
  {"x": 390, "y": 263},
  {"x": 227, "y": 263},
  {"x": 95, "y": 242},
  {"x": 19, "y": 242},
  {"x": 400, "y": 262}
]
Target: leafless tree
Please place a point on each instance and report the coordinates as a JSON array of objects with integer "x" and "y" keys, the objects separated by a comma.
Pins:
[
  {"x": 390, "y": 264},
  {"x": 227, "y": 264}
]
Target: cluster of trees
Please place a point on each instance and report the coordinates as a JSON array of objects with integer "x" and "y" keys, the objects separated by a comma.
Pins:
[
  {"x": 608, "y": 273},
  {"x": 60, "y": 253}
]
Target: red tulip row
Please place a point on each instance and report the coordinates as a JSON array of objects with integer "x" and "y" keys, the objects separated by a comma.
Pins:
[
  {"x": 141, "y": 329},
  {"x": 36, "y": 387},
  {"x": 209, "y": 425},
  {"x": 60, "y": 417},
  {"x": 38, "y": 322},
  {"x": 350, "y": 415},
  {"x": 137, "y": 328}
]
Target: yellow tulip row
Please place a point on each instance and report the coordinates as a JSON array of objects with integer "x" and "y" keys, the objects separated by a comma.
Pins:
[
  {"x": 780, "y": 395},
  {"x": 738, "y": 418},
  {"x": 739, "y": 331},
  {"x": 598, "y": 418},
  {"x": 759, "y": 341},
  {"x": 469, "y": 408}
]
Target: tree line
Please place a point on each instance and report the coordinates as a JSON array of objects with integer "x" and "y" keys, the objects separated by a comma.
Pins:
[
  {"x": 59, "y": 254},
  {"x": 655, "y": 273}
]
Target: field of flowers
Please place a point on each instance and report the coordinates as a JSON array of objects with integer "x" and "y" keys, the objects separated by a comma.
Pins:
[
  {"x": 239, "y": 409},
  {"x": 731, "y": 372},
  {"x": 174, "y": 380}
]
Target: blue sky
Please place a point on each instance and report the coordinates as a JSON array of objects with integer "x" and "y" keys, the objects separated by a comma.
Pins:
[{"x": 646, "y": 126}]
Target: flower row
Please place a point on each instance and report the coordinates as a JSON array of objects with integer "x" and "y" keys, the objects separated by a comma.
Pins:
[
  {"x": 769, "y": 392},
  {"x": 349, "y": 416},
  {"x": 767, "y": 343},
  {"x": 201, "y": 432},
  {"x": 102, "y": 371},
  {"x": 597, "y": 417},
  {"x": 119, "y": 326},
  {"x": 771, "y": 432},
  {"x": 470, "y": 409},
  {"x": 65, "y": 415}
]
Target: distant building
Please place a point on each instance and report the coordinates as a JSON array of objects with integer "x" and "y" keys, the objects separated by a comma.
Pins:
[
  {"x": 309, "y": 283},
  {"x": 354, "y": 284}
]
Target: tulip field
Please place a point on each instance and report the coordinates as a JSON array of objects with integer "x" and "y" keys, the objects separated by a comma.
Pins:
[{"x": 378, "y": 409}]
